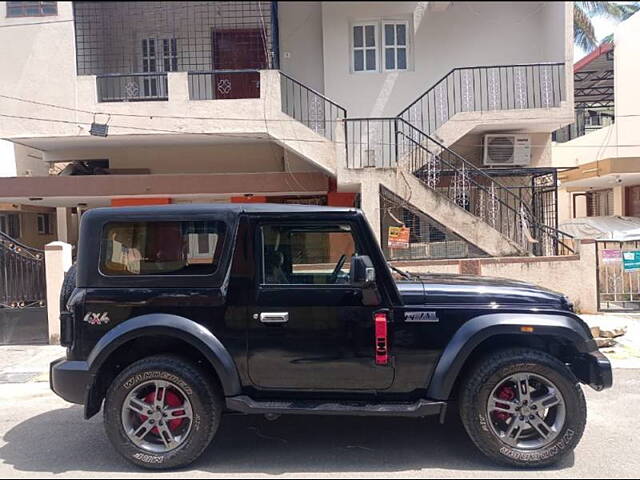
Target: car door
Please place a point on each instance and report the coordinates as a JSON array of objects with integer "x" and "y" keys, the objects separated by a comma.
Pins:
[{"x": 309, "y": 328}]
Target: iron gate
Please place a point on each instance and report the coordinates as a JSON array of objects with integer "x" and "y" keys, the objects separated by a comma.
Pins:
[
  {"x": 22, "y": 276},
  {"x": 618, "y": 288}
]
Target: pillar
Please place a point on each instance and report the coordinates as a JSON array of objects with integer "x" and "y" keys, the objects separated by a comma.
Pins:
[{"x": 57, "y": 260}]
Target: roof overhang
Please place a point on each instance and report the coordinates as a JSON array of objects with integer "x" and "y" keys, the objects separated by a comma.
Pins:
[
  {"x": 72, "y": 190},
  {"x": 600, "y": 174}
]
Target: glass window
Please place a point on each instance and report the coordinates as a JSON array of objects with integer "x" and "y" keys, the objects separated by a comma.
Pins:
[
  {"x": 365, "y": 48},
  {"x": 44, "y": 224},
  {"x": 10, "y": 224},
  {"x": 395, "y": 45},
  {"x": 31, "y": 9},
  {"x": 297, "y": 255},
  {"x": 161, "y": 248}
]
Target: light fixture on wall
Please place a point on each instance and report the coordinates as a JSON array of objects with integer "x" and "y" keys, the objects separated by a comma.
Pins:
[{"x": 99, "y": 129}]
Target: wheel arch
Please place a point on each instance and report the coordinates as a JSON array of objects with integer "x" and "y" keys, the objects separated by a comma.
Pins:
[
  {"x": 170, "y": 334},
  {"x": 481, "y": 334}
]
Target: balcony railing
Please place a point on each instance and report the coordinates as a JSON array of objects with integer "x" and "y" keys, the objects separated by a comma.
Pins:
[
  {"x": 587, "y": 121},
  {"x": 310, "y": 107},
  {"x": 224, "y": 84},
  {"x": 132, "y": 87},
  {"x": 487, "y": 88}
]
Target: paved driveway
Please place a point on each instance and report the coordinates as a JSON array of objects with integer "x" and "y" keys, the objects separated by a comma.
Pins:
[{"x": 41, "y": 436}]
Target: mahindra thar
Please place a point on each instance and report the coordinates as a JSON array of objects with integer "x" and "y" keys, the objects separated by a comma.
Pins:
[{"x": 176, "y": 315}]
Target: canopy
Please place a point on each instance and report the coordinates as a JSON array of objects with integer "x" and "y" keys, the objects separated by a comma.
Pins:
[{"x": 603, "y": 228}]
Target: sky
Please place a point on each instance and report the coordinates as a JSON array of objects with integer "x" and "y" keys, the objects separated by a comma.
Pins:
[{"x": 603, "y": 27}]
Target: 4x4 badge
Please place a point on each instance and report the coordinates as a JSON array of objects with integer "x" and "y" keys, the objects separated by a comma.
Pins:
[
  {"x": 421, "y": 317},
  {"x": 97, "y": 318}
]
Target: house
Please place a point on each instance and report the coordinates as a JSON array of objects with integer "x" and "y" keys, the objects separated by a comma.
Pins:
[
  {"x": 431, "y": 116},
  {"x": 602, "y": 147}
]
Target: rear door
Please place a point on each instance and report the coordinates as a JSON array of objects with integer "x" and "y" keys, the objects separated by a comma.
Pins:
[{"x": 309, "y": 328}]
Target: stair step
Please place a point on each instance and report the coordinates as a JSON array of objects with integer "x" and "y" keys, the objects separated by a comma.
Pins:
[{"x": 420, "y": 408}]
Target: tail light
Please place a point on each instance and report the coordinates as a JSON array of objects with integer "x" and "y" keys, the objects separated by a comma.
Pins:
[{"x": 382, "y": 341}]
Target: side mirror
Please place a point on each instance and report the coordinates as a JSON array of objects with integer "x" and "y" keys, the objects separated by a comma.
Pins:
[{"x": 362, "y": 272}]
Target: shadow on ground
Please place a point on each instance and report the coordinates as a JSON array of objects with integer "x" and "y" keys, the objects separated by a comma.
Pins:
[{"x": 60, "y": 441}]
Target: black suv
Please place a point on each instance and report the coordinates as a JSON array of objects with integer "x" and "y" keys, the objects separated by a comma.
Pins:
[{"x": 179, "y": 314}]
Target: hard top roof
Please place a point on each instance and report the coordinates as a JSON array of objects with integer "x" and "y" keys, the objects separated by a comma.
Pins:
[{"x": 204, "y": 208}]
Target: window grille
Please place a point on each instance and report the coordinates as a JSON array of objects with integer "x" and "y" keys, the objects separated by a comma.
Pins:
[{"x": 185, "y": 36}]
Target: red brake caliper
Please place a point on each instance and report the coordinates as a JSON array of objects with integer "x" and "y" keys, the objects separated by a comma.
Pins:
[
  {"x": 172, "y": 400},
  {"x": 507, "y": 394}
]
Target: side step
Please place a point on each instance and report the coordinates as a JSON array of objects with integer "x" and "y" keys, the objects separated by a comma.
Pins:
[{"x": 420, "y": 408}]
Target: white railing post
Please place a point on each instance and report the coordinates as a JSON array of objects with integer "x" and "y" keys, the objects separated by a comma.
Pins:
[
  {"x": 57, "y": 260},
  {"x": 178, "y": 85}
]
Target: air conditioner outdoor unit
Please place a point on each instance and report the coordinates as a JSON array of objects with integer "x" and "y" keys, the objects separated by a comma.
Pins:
[{"x": 507, "y": 150}]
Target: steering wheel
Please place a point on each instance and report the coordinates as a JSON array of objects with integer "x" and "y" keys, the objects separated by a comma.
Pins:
[{"x": 336, "y": 271}]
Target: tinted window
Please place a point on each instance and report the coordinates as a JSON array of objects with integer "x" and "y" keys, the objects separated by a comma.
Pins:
[
  {"x": 307, "y": 255},
  {"x": 161, "y": 248}
]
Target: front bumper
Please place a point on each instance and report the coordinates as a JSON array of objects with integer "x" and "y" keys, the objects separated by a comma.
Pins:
[
  {"x": 594, "y": 369},
  {"x": 70, "y": 380}
]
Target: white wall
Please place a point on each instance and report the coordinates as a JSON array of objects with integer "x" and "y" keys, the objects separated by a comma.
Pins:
[
  {"x": 7, "y": 159},
  {"x": 301, "y": 54},
  {"x": 465, "y": 34},
  {"x": 38, "y": 58}
]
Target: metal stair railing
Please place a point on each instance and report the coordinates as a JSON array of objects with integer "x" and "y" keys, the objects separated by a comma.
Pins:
[
  {"x": 310, "y": 107},
  {"x": 472, "y": 189}
]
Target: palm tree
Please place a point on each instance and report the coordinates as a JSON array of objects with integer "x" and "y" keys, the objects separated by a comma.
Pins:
[
  {"x": 627, "y": 10},
  {"x": 584, "y": 34}
]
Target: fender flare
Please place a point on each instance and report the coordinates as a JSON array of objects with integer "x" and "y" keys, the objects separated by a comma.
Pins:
[
  {"x": 172, "y": 326},
  {"x": 477, "y": 330}
]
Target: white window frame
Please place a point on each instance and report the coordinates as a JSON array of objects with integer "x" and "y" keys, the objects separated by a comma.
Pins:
[
  {"x": 395, "y": 46},
  {"x": 364, "y": 48}
]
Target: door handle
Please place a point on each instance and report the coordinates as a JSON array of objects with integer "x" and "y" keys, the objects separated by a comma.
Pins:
[{"x": 274, "y": 317}]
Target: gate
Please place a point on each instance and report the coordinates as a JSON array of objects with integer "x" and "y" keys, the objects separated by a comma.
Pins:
[
  {"x": 22, "y": 276},
  {"x": 23, "y": 315},
  {"x": 618, "y": 280}
]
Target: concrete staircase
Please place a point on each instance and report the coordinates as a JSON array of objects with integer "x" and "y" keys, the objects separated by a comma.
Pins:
[{"x": 395, "y": 154}]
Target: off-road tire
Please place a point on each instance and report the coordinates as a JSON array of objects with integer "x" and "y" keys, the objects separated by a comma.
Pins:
[
  {"x": 205, "y": 398},
  {"x": 484, "y": 377},
  {"x": 68, "y": 285}
]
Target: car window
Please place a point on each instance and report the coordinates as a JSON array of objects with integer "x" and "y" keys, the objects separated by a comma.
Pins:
[
  {"x": 161, "y": 248},
  {"x": 317, "y": 255}
]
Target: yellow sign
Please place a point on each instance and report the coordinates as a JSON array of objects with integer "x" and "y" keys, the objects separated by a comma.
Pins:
[{"x": 398, "y": 237}]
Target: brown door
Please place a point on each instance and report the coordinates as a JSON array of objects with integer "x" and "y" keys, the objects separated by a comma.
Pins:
[
  {"x": 633, "y": 201},
  {"x": 238, "y": 50}
]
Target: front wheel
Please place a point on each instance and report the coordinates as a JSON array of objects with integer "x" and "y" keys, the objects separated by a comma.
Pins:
[
  {"x": 162, "y": 412},
  {"x": 523, "y": 407}
]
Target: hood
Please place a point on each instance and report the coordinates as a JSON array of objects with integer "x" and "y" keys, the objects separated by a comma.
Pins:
[{"x": 433, "y": 289}]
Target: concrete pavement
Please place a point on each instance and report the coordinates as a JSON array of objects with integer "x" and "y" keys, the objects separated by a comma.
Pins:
[{"x": 42, "y": 436}]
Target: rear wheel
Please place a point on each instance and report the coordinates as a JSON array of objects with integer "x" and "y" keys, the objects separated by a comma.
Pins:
[
  {"x": 523, "y": 407},
  {"x": 162, "y": 412}
]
